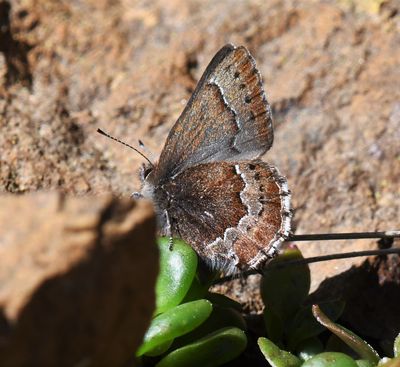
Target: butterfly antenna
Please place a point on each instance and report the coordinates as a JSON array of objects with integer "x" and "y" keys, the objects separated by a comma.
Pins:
[
  {"x": 146, "y": 150},
  {"x": 127, "y": 145}
]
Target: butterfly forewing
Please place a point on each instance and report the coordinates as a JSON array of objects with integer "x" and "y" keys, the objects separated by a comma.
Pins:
[{"x": 227, "y": 118}]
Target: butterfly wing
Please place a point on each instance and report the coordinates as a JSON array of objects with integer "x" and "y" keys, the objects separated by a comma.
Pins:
[
  {"x": 227, "y": 118},
  {"x": 234, "y": 214}
]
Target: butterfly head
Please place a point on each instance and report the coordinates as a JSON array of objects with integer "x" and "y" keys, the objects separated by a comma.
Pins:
[
  {"x": 145, "y": 172},
  {"x": 146, "y": 178}
]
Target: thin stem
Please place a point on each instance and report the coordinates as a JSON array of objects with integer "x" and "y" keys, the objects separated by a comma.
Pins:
[
  {"x": 342, "y": 236},
  {"x": 310, "y": 260},
  {"x": 344, "y": 255}
]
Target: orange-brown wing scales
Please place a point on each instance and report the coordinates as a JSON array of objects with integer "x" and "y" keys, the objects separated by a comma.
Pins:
[
  {"x": 236, "y": 222},
  {"x": 243, "y": 92},
  {"x": 205, "y": 203}
]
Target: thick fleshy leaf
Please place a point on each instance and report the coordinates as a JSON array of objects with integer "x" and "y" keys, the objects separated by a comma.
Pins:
[
  {"x": 197, "y": 290},
  {"x": 390, "y": 362},
  {"x": 201, "y": 283},
  {"x": 277, "y": 357},
  {"x": 396, "y": 346},
  {"x": 213, "y": 350},
  {"x": 330, "y": 359},
  {"x": 175, "y": 322},
  {"x": 364, "y": 363},
  {"x": 335, "y": 344},
  {"x": 304, "y": 325},
  {"x": 309, "y": 348},
  {"x": 177, "y": 270},
  {"x": 364, "y": 350},
  {"x": 221, "y": 317},
  {"x": 159, "y": 349},
  {"x": 223, "y": 301},
  {"x": 283, "y": 289},
  {"x": 273, "y": 325}
]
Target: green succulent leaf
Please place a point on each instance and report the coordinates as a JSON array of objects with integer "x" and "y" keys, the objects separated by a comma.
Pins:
[
  {"x": 175, "y": 322},
  {"x": 335, "y": 344},
  {"x": 213, "y": 350},
  {"x": 390, "y": 362},
  {"x": 330, "y": 359},
  {"x": 304, "y": 325},
  {"x": 201, "y": 283},
  {"x": 364, "y": 363},
  {"x": 362, "y": 348},
  {"x": 396, "y": 346},
  {"x": 277, "y": 357},
  {"x": 223, "y": 301},
  {"x": 284, "y": 301},
  {"x": 197, "y": 290},
  {"x": 273, "y": 325},
  {"x": 159, "y": 349},
  {"x": 177, "y": 271},
  {"x": 308, "y": 348},
  {"x": 221, "y": 317}
]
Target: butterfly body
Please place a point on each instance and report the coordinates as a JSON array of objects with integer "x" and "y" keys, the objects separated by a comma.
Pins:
[{"x": 209, "y": 186}]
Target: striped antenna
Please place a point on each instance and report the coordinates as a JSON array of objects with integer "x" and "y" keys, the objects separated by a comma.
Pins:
[{"x": 127, "y": 145}]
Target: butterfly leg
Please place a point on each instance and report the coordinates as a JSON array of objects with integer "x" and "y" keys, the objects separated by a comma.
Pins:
[
  {"x": 136, "y": 195},
  {"x": 168, "y": 231}
]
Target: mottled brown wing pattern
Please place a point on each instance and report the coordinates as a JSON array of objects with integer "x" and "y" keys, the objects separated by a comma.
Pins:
[
  {"x": 234, "y": 214},
  {"x": 227, "y": 118},
  {"x": 209, "y": 188}
]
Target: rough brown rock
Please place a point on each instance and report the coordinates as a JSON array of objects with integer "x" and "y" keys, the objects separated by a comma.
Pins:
[{"x": 76, "y": 279}]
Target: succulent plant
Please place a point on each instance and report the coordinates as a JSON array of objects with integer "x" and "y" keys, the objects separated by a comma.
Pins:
[
  {"x": 191, "y": 326},
  {"x": 195, "y": 327}
]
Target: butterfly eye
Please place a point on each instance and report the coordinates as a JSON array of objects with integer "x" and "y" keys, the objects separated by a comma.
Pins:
[{"x": 146, "y": 171}]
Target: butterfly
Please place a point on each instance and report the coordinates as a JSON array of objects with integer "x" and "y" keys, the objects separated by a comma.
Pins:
[{"x": 209, "y": 186}]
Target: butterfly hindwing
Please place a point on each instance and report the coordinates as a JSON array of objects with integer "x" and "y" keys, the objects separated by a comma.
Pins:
[{"x": 235, "y": 213}]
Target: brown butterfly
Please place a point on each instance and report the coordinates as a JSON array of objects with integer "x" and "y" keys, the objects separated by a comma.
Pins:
[{"x": 209, "y": 186}]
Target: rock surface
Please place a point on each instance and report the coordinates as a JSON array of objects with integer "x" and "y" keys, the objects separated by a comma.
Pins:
[{"x": 77, "y": 279}]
